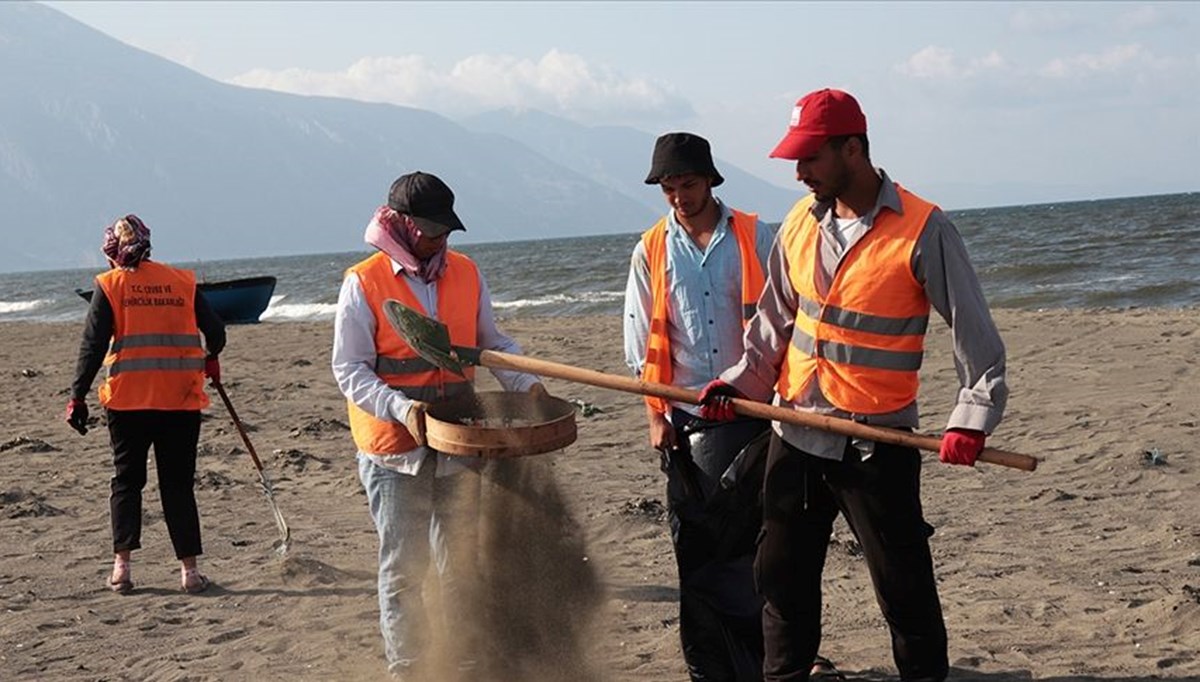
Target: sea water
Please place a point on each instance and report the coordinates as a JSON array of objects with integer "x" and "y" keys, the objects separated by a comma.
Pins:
[{"x": 1110, "y": 253}]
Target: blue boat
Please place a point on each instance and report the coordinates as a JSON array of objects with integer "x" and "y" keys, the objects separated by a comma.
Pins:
[{"x": 235, "y": 301}]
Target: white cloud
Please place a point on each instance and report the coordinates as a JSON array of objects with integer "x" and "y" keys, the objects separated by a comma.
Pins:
[
  {"x": 558, "y": 82},
  {"x": 933, "y": 62},
  {"x": 1113, "y": 60}
]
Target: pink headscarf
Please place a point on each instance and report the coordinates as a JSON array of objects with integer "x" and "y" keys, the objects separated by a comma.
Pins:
[
  {"x": 395, "y": 234},
  {"x": 127, "y": 242}
]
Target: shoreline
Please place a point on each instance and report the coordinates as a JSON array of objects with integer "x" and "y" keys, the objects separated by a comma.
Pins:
[{"x": 501, "y": 316}]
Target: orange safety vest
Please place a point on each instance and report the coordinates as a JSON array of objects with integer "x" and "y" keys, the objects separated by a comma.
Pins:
[
  {"x": 864, "y": 340},
  {"x": 155, "y": 360},
  {"x": 396, "y": 362},
  {"x": 657, "y": 367}
]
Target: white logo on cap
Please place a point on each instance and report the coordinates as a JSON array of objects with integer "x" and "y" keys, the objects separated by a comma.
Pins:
[{"x": 795, "y": 116}]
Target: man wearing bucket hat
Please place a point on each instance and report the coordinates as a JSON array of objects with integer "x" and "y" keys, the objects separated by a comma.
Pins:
[
  {"x": 693, "y": 280},
  {"x": 422, "y": 501},
  {"x": 839, "y": 330}
]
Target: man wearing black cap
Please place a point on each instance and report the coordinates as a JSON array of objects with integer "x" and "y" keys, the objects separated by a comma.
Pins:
[
  {"x": 692, "y": 278},
  {"x": 420, "y": 499},
  {"x": 840, "y": 331}
]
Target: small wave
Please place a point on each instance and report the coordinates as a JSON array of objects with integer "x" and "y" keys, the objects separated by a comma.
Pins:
[
  {"x": 300, "y": 311},
  {"x": 23, "y": 306},
  {"x": 1091, "y": 284},
  {"x": 561, "y": 299}
]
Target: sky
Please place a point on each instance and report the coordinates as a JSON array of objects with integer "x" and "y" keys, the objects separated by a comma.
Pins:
[{"x": 986, "y": 104}]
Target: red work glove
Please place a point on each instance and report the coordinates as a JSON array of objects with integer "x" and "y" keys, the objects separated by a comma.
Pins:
[
  {"x": 77, "y": 415},
  {"x": 212, "y": 369},
  {"x": 961, "y": 446},
  {"x": 714, "y": 401}
]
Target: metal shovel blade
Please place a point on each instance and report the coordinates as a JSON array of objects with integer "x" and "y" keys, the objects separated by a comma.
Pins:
[
  {"x": 428, "y": 337},
  {"x": 285, "y": 533},
  {"x": 284, "y": 543}
]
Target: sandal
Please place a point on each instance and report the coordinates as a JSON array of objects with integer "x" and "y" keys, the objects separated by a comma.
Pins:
[
  {"x": 125, "y": 584},
  {"x": 121, "y": 586},
  {"x": 194, "y": 582},
  {"x": 823, "y": 669}
]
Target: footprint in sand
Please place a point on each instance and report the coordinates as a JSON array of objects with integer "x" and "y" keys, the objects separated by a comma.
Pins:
[
  {"x": 308, "y": 572},
  {"x": 321, "y": 426},
  {"x": 213, "y": 480},
  {"x": 298, "y": 460},
  {"x": 227, "y": 636}
]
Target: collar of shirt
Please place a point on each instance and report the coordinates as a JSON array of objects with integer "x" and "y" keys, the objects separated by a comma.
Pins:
[
  {"x": 675, "y": 231},
  {"x": 888, "y": 197}
]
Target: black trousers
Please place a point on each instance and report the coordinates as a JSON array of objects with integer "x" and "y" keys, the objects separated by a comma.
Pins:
[
  {"x": 713, "y": 530},
  {"x": 880, "y": 498},
  {"x": 174, "y": 435}
]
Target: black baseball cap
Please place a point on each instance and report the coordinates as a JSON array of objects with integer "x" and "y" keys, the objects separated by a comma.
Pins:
[
  {"x": 429, "y": 202},
  {"x": 681, "y": 153}
]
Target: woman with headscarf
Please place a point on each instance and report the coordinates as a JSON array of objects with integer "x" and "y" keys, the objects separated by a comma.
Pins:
[{"x": 145, "y": 327}]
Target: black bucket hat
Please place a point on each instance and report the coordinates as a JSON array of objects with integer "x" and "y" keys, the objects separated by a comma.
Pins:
[
  {"x": 428, "y": 200},
  {"x": 680, "y": 153}
]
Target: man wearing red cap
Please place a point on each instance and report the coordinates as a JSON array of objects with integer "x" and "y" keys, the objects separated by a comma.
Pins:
[{"x": 840, "y": 330}]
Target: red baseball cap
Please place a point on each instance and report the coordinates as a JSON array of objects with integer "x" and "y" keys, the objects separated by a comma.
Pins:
[{"x": 816, "y": 117}]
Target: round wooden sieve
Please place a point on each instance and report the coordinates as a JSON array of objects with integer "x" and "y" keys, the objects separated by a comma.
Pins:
[{"x": 500, "y": 424}]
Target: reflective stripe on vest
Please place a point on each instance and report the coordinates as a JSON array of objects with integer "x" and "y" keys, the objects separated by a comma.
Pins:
[
  {"x": 155, "y": 360},
  {"x": 145, "y": 340},
  {"x": 396, "y": 363},
  {"x": 864, "y": 340},
  {"x": 146, "y": 364},
  {"x": 657, "y": 367}
]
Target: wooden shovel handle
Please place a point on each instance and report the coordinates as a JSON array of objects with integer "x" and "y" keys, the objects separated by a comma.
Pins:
[{"x": 748, "y": 408}]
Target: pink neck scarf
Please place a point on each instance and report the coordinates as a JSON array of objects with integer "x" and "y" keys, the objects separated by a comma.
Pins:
[
  {"x": 126, "y": 242},
  {"x": 395, "y": 234}
]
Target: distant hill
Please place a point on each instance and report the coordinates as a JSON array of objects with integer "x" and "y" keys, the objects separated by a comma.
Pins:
[
  {"x": 91, "y": 129},
  {"x": 619, "y": 158}
]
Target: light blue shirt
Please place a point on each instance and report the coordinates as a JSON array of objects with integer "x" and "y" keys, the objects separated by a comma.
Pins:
[
  {"x": 354, "y": 364},
  {"x": 704, "y": 308}
]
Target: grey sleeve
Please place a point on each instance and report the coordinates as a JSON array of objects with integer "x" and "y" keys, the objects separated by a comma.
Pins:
[
  {"x": 942, "y": 266},
  {"x": 768, "y": 333}
]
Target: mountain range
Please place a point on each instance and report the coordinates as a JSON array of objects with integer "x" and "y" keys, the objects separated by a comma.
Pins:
[{"x": 92, "y": 129}]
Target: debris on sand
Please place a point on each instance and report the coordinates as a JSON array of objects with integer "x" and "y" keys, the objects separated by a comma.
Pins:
[
  {"x": 1053, "y": 495},
  {"x": 1192, "y": 592},
  {"x": 1154, "y": 457},
  {"x": 27, "y": 444},
  {"x": 647, "y": 507},
  {"x": 586, "y": 409},
  {"x": 16, "y": 503}
]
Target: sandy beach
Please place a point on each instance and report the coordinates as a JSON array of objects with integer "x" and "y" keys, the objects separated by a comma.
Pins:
[{"x": 1087, "y": 569}]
